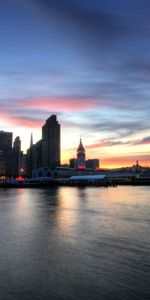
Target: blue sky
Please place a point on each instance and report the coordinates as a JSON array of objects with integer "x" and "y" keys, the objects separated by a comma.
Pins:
[{"x": 86, "y": 61}]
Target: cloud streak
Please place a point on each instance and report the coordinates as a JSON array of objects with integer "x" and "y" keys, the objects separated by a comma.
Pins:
[
  {"x": 144, "y": 141},
  {"x": 60, "y": 103},
  {"x": 20, "y": 121}
]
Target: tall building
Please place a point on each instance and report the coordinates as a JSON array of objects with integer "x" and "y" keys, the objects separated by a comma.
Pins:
[
  {"x": 51, "y": 143},
  {"x": 34, "y": 156},
  {"x": 46, "y": 152},
  {"x": 5, "y": 153},
  {"x": 10, "y": 157},
  {"x": 17, "y": 156},
  {"x": 29, "y": 158},
  {"x": 80, "y": 156},
  {"x": 5, "y": 143}
]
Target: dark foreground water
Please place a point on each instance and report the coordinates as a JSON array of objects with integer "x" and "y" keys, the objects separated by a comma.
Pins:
[{"x": 75, "y": 243}]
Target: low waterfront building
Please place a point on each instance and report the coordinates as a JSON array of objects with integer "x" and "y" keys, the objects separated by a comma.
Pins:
[
  {"x": 88, "y": 180},
  {"x": 92, "y": 163},
  {"x": 88, "y": 177},
  {"x": 73, "y": 163},
  {"x": 42, "y": 172}
]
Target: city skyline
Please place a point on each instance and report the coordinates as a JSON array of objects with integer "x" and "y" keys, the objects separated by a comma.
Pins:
[{"x": 89, "y": 64}]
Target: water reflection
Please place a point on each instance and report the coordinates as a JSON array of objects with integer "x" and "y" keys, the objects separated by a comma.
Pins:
[
  {"x": 75, "y": 243},
  {"x": 67, "y": 214}
]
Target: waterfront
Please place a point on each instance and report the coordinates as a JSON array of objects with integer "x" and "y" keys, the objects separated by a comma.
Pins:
[{"x": 75, "y": 243}]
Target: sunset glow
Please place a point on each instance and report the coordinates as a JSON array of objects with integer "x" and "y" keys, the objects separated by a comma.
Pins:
[{"x": 95, "y": 78}]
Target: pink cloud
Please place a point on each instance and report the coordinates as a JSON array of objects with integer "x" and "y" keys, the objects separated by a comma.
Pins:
[
  {"x": 20, "y": 121},
  {"x": 61, "y": 104},
  {"x": 98, "y": 145},
  {"x": 104, "y": 143}
]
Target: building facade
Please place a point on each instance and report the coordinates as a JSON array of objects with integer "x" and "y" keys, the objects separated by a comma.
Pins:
[{"x": 51, "y": 143}]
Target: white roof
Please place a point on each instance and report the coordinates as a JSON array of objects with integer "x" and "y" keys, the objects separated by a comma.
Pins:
[{"x": 87, "y": 177}]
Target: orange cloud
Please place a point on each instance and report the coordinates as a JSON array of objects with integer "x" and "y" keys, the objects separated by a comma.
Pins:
[{"x": 130, "y": 160}]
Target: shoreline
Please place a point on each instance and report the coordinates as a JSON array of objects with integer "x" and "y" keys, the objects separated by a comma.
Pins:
[{"x": 54, "y": 184}]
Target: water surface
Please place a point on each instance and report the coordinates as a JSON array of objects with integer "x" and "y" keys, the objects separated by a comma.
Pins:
[{"x": 75, "y": 243}]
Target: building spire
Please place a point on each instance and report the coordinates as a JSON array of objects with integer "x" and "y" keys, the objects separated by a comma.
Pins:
[
  {"x": 31, "y": 141},
  {"x": 80, "y": 147}
]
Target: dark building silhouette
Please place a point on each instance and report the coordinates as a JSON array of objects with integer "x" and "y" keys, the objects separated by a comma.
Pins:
[
  {"x": 92, "y": 163},
  {"x": 46, "y": 152},
  {"x": 29, "y": 160},
  {"x": 5, "y": 143},
  {"x": 16, "y": 161},
  {"x": 51, "y": 143},
  {"x": 72, "y": 163},
  {"x": 10, "y": 157},
  {"x": 34, "y": 156},
  {"x": 5, "y": 153},
  {"x": 38, "y": 150},
  {"x": 23, "y": 167}
]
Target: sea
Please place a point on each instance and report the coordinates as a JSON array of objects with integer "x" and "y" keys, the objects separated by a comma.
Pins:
[{"x": 70, "y": 243}]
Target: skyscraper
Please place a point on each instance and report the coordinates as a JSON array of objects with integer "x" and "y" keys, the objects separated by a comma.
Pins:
[
  {"x": 5, "y": 143},
  {"x": 17, "y": 156},
  {"x": 51, "y": 143},
  {"x": 5, "y": 153}
]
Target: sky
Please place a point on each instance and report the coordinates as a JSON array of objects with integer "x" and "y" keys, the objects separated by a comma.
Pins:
[{"x": 88, "y": 62}]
